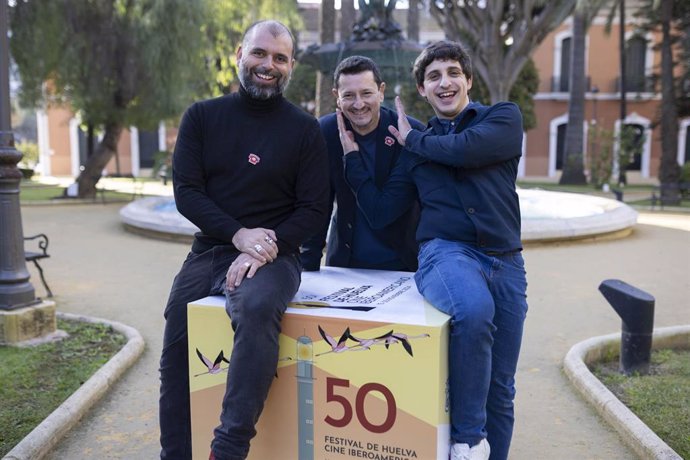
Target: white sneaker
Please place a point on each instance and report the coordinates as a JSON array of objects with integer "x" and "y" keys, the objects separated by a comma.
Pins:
[
  {"x": 479, "y": 451},
  {"x": 460, "y": 451}
]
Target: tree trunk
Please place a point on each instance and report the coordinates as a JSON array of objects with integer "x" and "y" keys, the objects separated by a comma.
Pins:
[
  {"x": 347, "y": 19},
  {"x": 413, "y": 21},
  {"x": 573, "y": 169},
  {"x": 669, "y": 172},
  {"x": 91, "y": 174},
  {"x": 324, "y": 97},
  {"x": 90, "y": 138}
]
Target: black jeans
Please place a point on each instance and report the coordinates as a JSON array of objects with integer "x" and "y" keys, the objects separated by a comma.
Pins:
[{"x": 256, "y": 308}]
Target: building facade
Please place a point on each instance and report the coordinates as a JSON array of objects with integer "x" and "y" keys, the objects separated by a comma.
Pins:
[
  {"x": 544, "y": 144},
  {"x": 62, "y": 146}
]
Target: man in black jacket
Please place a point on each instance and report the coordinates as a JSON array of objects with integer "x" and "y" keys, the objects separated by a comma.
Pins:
[
  {"x": 463, "y": 167},
  {"x": 250, "y": 170},
  {"x": 355, "y": 241}
]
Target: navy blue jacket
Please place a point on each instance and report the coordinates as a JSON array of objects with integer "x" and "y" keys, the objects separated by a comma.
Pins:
[
  {"x": 465, "y": 179},
  {"x": 398, "y": 232}
]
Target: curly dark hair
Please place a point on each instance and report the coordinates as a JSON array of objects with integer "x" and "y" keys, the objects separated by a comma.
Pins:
[{"x": 444, "y": 50}]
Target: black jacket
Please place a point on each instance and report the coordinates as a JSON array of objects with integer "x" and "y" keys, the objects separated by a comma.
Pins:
[
  {"x": 465, "y": 180},
  {"x": 399, "y": 235}
]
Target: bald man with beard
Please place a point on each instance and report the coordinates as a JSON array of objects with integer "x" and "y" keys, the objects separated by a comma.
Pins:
[{"x": 250, "y": 170}]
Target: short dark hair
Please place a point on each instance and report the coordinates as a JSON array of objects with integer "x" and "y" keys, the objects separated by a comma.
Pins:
[
  {"x": 444, "y": 50},
  {"x": 275, "y": 28},
  {"x": 356, "y": 64}
]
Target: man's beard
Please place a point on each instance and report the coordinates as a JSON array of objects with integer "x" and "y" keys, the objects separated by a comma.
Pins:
[{"x": 258, "y": 91}]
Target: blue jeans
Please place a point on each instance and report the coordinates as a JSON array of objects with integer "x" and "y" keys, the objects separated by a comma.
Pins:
[
  {"x": 256, "y": 308},
  {"x": 485, "y": 295}
]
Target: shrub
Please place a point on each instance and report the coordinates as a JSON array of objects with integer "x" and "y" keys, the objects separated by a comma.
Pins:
[{"x": 30, "y": 151}]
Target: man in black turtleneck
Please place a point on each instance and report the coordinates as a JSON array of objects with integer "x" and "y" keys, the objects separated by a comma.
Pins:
[{"x": 250, "y": 170}]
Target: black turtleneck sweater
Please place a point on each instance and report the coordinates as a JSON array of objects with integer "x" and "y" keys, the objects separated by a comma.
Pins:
[{"x": 242, "y": 162}]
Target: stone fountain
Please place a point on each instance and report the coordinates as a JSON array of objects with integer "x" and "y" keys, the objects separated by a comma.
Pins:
[{"x": 375, "y": 35}]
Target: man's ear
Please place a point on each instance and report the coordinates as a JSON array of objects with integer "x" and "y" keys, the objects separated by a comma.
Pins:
[
  {"x": 239, "y": 53},
  {"x": 382, "y": 90},
  {"x": 420, "y": 90},
  {"x": 335, "y": 95},
  {"x": 469, "y": 84}
]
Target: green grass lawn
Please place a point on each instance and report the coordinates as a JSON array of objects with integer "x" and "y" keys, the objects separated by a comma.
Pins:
[
  {"x": 588, "y": 189},
  {"x": 30, "y": 191},
  {"x": 642, "y": 193},
  {"x": 661, "y": 399},
  {"x": 35, "y": 381}
]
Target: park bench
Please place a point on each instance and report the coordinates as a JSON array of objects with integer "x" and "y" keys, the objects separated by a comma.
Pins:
[
  {"x": 658, "y": 192},
  {"x": 41, "y": 240}
]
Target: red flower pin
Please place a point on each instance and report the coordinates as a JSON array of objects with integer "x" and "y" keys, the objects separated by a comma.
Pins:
[
  {"x": 253, "y": 159},
  {"x": 389, "y": 141}
]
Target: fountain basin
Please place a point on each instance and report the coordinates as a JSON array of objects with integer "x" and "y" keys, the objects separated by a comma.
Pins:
[
  {"x": 546, "y": 216},
  {"x": 556, "y": 216}
]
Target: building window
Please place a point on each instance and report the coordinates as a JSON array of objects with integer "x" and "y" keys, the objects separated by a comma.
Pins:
[
  {"x": 148, "y": 146},
  {"x": 637, "y": 147},
  {"x": 560, "y": 146},
  {"x": 635, "y": 64},
  {"x": 562, "y": 51},
  {"x": 686, "y": 154},
  {"x": 566, "y": 51}
]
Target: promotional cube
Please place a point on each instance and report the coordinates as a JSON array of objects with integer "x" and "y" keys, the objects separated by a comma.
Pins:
[{"x": 362, "y": 372}]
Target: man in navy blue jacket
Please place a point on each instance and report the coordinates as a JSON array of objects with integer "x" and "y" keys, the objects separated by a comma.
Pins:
[
  {"x": 463, "y": 168},
  {"x": 354, "y": 242}
]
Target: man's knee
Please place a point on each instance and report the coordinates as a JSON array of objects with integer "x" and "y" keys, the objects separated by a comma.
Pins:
[
  {"x": 474, "y": 317},
  {"x": 254, "y": 307},
  {"x": 268, "y": 292}
]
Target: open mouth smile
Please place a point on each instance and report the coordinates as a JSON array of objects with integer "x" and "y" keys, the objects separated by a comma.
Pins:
[{"x": 264, "y": 76}]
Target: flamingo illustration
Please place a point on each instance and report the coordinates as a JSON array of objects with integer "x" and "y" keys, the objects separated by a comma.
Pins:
[
  {"x": 336, "y": 347},
  {"x": 389, "y": 338},
  {"x": 213, "y": 367},
  {"x": 404, "y": 339},
  {"x": 366, "y": 344}
]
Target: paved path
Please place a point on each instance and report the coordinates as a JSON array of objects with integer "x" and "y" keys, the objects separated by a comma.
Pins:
[{"x": 99, "y": 269}]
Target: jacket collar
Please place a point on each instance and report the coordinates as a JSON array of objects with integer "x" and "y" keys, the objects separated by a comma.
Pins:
[{"x": 463, "y": 118}]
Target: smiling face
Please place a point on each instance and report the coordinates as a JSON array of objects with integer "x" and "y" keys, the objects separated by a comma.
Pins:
[
  {"x": 265, "y": 62},
  {"x": 360, "y": 98},
  {"x": 445, "y": 86}
]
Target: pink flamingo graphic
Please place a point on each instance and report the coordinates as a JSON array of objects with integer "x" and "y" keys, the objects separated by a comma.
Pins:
[
  {"x": 366, "y": 344},
  {"x": 404, "y": 339},
  {"x": 336, "y": 346},
  {"x": 389, "y": 338},
  {"x": 213, "y": 367}
]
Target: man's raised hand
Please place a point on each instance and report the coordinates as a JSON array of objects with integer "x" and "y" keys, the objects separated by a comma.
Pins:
[
  {"x": 400, "y": 133},
  {"x": 347, "y": 138}
]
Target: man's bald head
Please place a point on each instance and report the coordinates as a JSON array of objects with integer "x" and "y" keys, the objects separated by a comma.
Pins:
[{"x": 274, "y": 27}]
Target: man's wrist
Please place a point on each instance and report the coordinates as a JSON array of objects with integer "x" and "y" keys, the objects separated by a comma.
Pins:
[{"x": 235, "y": 236}]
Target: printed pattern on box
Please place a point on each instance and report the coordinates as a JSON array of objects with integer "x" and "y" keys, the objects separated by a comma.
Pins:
[{"x": 362, "y": 372}]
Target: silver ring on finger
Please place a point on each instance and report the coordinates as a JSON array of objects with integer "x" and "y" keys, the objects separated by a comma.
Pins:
[
  {"x": 268, "y": 239},
  {"x": 247, "y": 265},
  {"x": 258, "y": 248}
]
